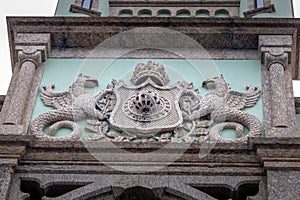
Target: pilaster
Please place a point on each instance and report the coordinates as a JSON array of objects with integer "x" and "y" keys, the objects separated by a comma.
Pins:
[
  {"x": 279, "y": 109},
  {"x": 32, "y": 51}
]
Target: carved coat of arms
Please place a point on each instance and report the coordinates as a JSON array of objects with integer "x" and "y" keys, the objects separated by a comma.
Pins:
[{"x": 148, "y": 109}]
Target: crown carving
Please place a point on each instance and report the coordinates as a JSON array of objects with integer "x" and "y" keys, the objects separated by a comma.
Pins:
[{"x": 155, "y": 71}]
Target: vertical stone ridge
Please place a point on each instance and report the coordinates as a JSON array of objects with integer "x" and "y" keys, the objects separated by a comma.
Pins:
[{"x": 279, "y": 110}]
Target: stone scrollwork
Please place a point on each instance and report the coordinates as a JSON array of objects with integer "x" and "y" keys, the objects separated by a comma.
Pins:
[{"x": 147, "y": 111}]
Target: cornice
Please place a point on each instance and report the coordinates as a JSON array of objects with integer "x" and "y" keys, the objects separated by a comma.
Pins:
[{"x": 231, "y": 33}]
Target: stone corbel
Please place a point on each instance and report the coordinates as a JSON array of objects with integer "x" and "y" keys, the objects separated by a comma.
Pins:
[
  {"x": 279, "y": 112},
  {"x": 32, "y": 51}
]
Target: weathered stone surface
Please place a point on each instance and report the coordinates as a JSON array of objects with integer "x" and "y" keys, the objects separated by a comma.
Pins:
[
  {"x": 5, "y": 179},
  {"x": 283, "y": 184},
  {"x": 211, "y": 33},
  {"x": 32, "y": 50},
  {"x": 6, "y": 170},
  {"x": 182, "y": 187},
  {"x": 255, "y": 166},
  {"x": 278, "y": 100},
  {"x": 21, "y": 93}
]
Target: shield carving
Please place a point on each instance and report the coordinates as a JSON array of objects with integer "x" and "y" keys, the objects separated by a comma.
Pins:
[{"x": 146, "y": 109}]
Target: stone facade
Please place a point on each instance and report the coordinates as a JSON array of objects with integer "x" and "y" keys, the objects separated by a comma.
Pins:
[{"x": 262, "y": 166}]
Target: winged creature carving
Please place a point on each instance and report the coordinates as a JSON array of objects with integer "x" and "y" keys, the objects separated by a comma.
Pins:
[
  {"x": 219, "y": 109},
  {"x": 222, "y": 106},
  {"x": 70, "y": 106}
]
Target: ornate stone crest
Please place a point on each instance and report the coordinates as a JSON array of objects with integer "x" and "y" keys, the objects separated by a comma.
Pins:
[
  {"x": 148, "y": 107},
  {"x": 148, "y": 110}
]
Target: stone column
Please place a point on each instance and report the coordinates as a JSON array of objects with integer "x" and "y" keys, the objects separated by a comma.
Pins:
[
  {"x": 278, "y": 101},
  {"x": 28, "y": 65},
  {"x": 30, "y": 53},
  {"x": 276, "y": 66}
]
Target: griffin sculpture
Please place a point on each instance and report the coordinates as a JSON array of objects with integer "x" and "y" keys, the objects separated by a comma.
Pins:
[
  {"x": 177, "y": 111},
  {"x": 221, "y": 106},
  {"x": 70, "y": 106}
]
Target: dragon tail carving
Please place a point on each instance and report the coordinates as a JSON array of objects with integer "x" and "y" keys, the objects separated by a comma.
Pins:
[
  {"x": 56, "y": 119},
  {"x": 236, "y": 119}
]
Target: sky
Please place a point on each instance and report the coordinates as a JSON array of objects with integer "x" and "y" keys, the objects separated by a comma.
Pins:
[
  {"x": 47, "y": 8},
  {"x": 17, "y": 8}
]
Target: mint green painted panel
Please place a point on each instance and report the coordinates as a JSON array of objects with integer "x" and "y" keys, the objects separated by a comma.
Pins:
[
  {"x": 243, "y": 7},
  {"x": 63, "y": 7},
  {"x": 63, "y": 72},
  {"x": 228, "y": 133},
  {"x": 298, "y": 122},
  {"x": 283, "y": 9},
  {"x": 104, "y": 8},
  {"x": 221, "y": 13}
]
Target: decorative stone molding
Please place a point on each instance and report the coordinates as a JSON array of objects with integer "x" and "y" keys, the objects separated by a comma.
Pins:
[
  {"x": 32, "y": 51},
  {"x": 279, "y": 117}
]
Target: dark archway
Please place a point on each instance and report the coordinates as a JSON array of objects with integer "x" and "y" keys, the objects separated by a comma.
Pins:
[{"x": 137, "y": 193}]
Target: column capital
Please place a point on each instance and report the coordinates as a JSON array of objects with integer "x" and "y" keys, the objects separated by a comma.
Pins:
[
  {"x": 32, "y": 56},
  {"x": 275, "y": 49},
  {"x": 33, "y": 47}
]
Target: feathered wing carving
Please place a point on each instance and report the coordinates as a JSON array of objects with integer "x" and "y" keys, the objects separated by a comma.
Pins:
[
  {"x": 241, "y": 100},
  {"x": 56, "y": 100}
]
